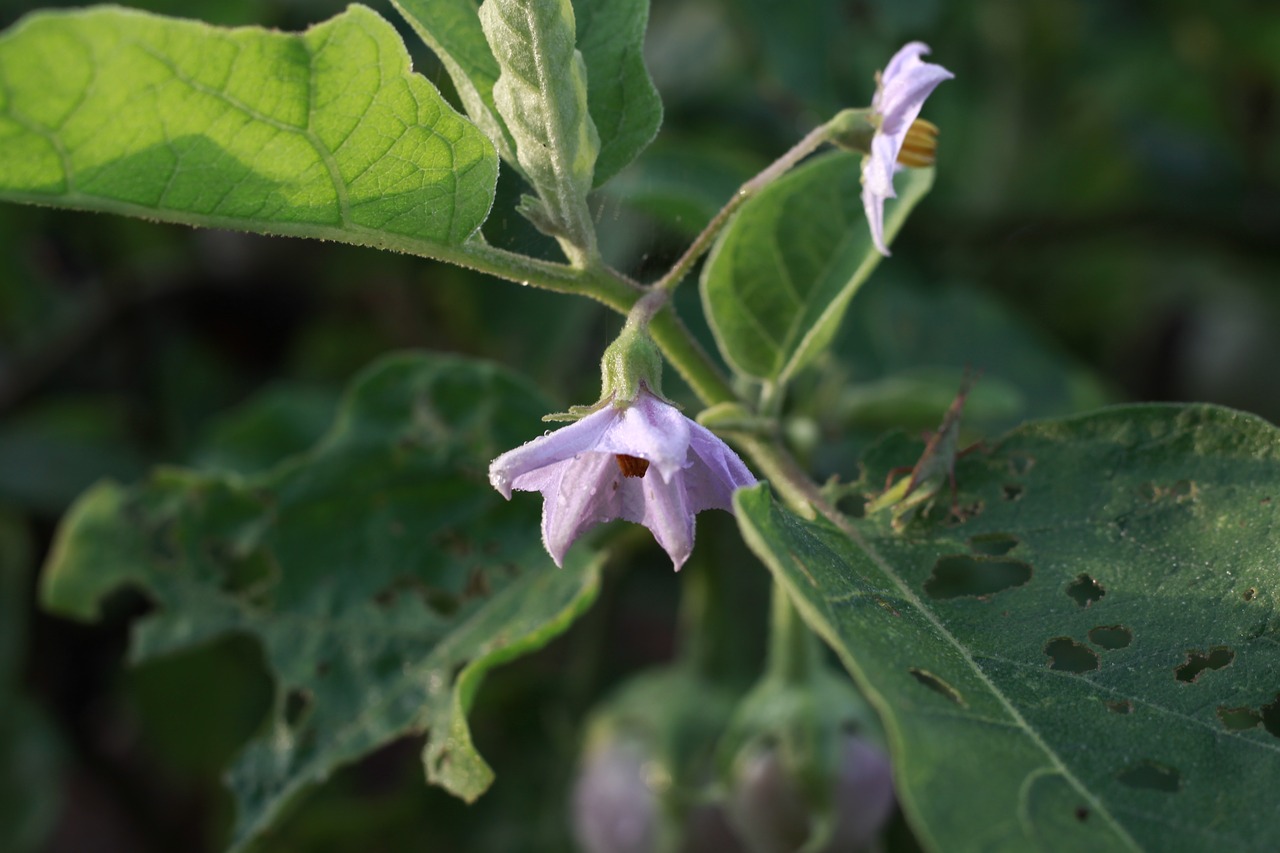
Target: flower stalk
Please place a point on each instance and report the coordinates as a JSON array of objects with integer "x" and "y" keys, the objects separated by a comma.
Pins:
[{"x": 702, "y": 243}]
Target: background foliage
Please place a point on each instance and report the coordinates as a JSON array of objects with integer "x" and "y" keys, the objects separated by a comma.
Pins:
[{"x": 1102, "y": 226}]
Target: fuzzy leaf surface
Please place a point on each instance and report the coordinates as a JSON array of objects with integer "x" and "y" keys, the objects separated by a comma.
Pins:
[
  {"x": 782, "y": 273},
  {"x": 1090, "y": 660},
  {"x": 380, "y": 573},
  {"x": 326, "y": 133},
  {"x": 621, "y": 97},
  {"x": 541, "y": 94}
]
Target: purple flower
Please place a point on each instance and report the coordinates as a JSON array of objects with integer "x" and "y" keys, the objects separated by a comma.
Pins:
[
  {"x": 644, "y": 462},
  {"x": 900, "y": 93}
]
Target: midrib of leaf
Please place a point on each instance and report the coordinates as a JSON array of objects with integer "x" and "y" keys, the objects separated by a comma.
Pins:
[{"x": 823, "y": 627}]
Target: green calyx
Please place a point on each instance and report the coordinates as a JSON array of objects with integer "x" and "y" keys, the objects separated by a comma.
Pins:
[
  {"x": 632, "y": 362},
  {"x": 853, "y": 129}
]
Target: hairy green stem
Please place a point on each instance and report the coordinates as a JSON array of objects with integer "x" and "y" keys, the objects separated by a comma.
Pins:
[
  {"x": 793, "y": 649},
  {"x": 811, "y": 142},
  {"x": 707, "y": 641}
]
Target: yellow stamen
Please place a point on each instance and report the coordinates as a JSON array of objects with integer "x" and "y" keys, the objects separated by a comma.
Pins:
[
  {"x": 920, "y": 147},
  {"x": 631, "y": 466}
]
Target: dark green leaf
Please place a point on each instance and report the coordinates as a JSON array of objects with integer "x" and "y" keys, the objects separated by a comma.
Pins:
[
  {"x": 1088, "y": 661},
  {"x": 380, "y": 572},
  {"x": 624, "y": 104},
  {"x": 323, "y": 134},
  {"x": 273, "y": 424},
  {"x": 781, "y": 275}
]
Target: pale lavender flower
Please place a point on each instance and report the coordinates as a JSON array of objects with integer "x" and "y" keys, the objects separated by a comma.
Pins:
[
  {"x": 900, "y": 93},
  {"x": 645, "y": 462}
]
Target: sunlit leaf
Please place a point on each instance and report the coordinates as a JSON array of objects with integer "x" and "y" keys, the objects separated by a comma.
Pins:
[
  {"x": 325, "y": 134},
  {"x": 1088, "y": 660},
  {"x": 380, "y": 573},
  {"x": 451, "y": 28},
  {"x": 781, "y": 275}
]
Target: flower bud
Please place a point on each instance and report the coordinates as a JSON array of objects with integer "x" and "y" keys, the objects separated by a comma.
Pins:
[
  {"x": 768, "y": 805},
  {"x": 614, "y": 807},
  {"x": 646, "y": 768},
  {"x": 803, "y": 769}
]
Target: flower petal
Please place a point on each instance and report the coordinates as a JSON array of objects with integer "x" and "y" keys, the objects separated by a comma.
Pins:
[
  {"x": 669, "y": 517},
  {"x": 715, "y": 473},
  {"x": 908, "y": 54},
  {"x": 580, "y": 495},
  {"x": 904, "y": 96},
  {"x": 873, "y": 204},
  {"x": 905, "y": 84},
  {"x": 564, "y": 443},
  {"x": 577, "y": 471},
  {"x": 650, "y": 429}
]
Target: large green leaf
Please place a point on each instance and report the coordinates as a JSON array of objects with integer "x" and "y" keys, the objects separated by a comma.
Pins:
[
  {"x": 325, "y": 134},
  {"x": 781, "y": 275},
  {"x": 380, "y": 572},
  {"x": 451, "y": 28},
  {"x": 1090, "y": 659},
  {"x": 621, "y": 98}
]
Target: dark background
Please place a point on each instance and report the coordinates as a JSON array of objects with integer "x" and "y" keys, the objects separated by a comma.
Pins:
[{"x": 1105, "y": 226}]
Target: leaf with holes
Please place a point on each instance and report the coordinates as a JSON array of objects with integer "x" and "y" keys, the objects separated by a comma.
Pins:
[
  {"x": 781, "y": 275},
  {"x": 326, "y": 133},
  {"x": 1088, "y": 657},
  {"x": 380, "y": 572},
  {"x": 621, "y": 97}
]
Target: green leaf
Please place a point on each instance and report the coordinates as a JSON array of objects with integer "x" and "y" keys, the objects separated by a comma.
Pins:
[
  {"x": 451, "y": 28},
  {"x": 893, "y": 337},
  {"x": 541, "y": 94},
  {"x": 781, "y": 275},
  {"x": 323, "y": 134},
  {"x": 380, "y": 573},
  {"x": 624, "y": 104},
  {"x": 621, "y": 98},
  {"x": 1088, "y": 661},
  {"x": 279, "y": 421}
]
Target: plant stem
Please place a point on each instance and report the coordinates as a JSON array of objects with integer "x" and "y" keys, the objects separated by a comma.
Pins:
[
  {"x": 707, "y": 619},
  {"x": 793, "y": 648},
  {"x": 690, "y": 360},
  {"x": 702, "y": 242}
]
